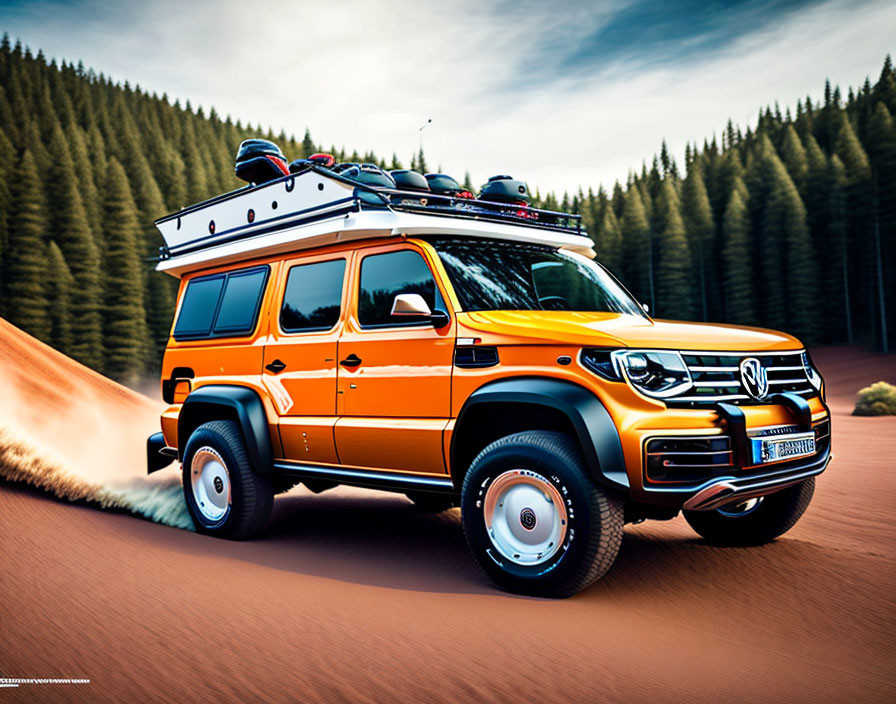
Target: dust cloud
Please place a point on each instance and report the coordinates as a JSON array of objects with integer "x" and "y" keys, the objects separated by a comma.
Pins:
[{"x": 79, "y": 436}]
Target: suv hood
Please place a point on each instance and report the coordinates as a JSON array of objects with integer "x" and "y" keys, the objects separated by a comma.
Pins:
[{"x": 615, "y": 330}]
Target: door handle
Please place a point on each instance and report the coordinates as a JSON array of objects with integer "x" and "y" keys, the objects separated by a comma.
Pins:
[
  {"x": 276, "y": 366},
  {"x": 352, "y": 360}
]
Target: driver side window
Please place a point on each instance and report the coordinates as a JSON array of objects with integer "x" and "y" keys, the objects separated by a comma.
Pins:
[{"x": 384, "y": 276}]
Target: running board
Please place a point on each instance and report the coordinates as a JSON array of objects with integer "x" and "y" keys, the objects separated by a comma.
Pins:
[{"x": 371, "y": 479}]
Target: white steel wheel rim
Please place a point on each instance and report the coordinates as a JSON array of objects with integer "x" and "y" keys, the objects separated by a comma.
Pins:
[
  {"x": 740, "y": 508},
  {"x": 525, "y": 517},
  {"x": 210, "y": 482}
]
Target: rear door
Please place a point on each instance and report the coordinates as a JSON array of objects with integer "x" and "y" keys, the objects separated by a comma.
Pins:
[
  {"x": 300, "y": 355},
  {"x": 394, "y": 389}
]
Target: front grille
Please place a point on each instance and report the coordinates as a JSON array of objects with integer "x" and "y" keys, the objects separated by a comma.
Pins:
[{"x": 717, "y": 377}]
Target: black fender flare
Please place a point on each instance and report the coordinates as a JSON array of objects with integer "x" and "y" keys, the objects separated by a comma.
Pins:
[
  {"x": 237, "y": 402},
  {"x": 593, "y": 425}
]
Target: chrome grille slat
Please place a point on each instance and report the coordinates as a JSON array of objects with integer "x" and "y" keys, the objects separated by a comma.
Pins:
[{"x": 716, "y": 376}]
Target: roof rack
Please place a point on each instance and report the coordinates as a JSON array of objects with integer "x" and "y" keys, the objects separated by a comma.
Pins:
[{"x": 316, "y": 206}]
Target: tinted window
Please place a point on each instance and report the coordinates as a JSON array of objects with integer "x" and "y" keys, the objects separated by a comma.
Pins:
[
  {"x": 240, "y": 302},
  {"x": 492, "y": 275},
  {"x": 197, "y": 312},
  {"x": 384, "y": 276},
  {"x": 221, "y": 305},
  {"x": 313, "y": 296}
]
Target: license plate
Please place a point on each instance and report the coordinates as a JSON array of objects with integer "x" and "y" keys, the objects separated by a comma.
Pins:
[{"x": 783, "y": 447}]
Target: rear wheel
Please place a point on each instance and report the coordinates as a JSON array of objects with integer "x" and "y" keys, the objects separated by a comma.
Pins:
[
  {"x": 753, "y": 521},
  {"x": 224, "y": 495},
  {"x": 535, "y": 520}
]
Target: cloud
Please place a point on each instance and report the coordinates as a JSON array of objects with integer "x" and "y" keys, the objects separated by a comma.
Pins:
[{"x": 561, "y": 98}]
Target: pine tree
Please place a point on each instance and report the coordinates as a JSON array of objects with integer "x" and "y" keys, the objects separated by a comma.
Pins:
[
  {"x": 59, "y": 282},
  {"x": 635, "y": 268},
  {"x": 608, "y": 241},
  {"x": 788, "y": 302},
  {"x": 125, "y": 335},
  {"x": 837, "y": 248},
  {"x": 674, "y": 296},
  {"x": 793, "y": 154},
  {"x": 881, "y": 141},
  {"x": 25, "y": 294},
  {"x": 68, "y": 226},
  {"x": 697, "y": 214},
  {"x": 7, "y": 155},
  {"x": 739, "y": 275}
]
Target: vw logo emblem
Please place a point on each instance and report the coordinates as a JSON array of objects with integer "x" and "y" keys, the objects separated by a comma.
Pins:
[
  {"x": 528, "y": 519},
  {"x": 754, "y": 378}
]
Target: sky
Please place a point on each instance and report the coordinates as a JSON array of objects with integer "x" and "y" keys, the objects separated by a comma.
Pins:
[{"x": 563, "y": 95}]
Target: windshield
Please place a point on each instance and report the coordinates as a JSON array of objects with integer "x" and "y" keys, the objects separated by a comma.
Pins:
[{"x": 496, "y": 275}]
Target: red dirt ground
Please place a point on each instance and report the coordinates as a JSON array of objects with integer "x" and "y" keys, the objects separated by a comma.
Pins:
[{"x": 355, "y": 596}]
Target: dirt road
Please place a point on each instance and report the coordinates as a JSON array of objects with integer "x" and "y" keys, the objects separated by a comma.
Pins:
[{"x": 355, "y": 596}]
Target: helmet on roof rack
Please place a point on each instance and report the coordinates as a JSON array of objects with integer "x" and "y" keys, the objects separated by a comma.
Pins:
[
  {"x": 505, "y": 189},
  {"x": 444, "y": 185},
  {"x": 323, "y": 160},
  {"x": 369, "y": 174},
  {"x": 408, "y": 180},
  {"x": 259, "y": 161}
]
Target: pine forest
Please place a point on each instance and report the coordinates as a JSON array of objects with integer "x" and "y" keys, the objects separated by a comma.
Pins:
[{"x": 790, "y": 224}]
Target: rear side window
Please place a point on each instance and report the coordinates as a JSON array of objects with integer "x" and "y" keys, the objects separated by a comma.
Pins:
[
  {"x": 197, "y": 312},
  {"x": 313, "y": 297},
  {"x": 221, "y": 305},
  {"x": 384, "y": 276}
]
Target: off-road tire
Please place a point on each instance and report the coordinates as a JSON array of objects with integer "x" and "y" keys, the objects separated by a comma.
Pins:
[
  {"x": 431, "y": 502},
  {"x": 595, "y": 517},
  {"x": 774, "y": 516},
  {"x": 252, "y": 494}
]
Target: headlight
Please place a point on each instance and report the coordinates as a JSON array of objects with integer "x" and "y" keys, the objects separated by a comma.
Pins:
[
  {"x": 653, "y": 373},
  {"x": 812, "y": 373}
]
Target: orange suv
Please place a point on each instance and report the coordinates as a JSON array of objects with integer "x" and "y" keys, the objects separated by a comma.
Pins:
[{"x": 480, "y": 359}]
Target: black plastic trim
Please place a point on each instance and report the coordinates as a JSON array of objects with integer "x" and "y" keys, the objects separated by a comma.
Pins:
[
  {"x": 207, "y": 402},
  {"x": 797, "y": 405},
  {"x": 592, "y": 422},
  {"x": 737, "y": 429},
  {"x": 367, "y": 478},
  {"x": 169, "y": 384},
  {"x": 158, "y": 454}
]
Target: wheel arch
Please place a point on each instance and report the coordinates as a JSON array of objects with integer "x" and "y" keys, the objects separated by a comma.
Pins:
[
  {"x": 224, "y": 402},
  {"x": 534, "y": 403}
]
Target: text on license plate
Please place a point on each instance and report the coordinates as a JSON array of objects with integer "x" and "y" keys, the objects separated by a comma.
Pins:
[{"x": 783, "y": 447}]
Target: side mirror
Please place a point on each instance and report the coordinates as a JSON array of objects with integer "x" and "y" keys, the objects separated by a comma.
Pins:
[
  {"x": 645, "y": 307},
  {"x": 412, "y": 304}
]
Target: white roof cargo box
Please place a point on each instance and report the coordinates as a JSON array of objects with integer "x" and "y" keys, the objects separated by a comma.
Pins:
[{"x": 317, "y": 206}]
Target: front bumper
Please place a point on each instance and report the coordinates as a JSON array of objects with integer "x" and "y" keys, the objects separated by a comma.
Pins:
[
  {"x": 727, "y": 469},
  {"x": 726, "y": 490}
]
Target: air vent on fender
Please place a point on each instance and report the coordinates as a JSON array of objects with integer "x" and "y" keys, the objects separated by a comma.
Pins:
[{"x": 475, "y": 357}]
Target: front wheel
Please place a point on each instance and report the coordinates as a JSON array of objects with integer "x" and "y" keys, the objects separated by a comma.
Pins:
[
  {"x": 224, "y": 495},
  {"x": 753, "y": 521},
  {"x": 535, "y": 520}
]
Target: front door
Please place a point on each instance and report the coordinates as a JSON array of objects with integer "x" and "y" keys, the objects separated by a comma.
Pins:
[
  {"x": 394, "y": 397},
  {"x": 300, "y": 356}
]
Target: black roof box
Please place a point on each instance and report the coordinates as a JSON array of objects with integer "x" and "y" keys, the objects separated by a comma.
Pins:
[
  {"x": 259, "y": 161},
  {"x": 444, "y": 184},
  {"x": 407, "y": 180},
  {"x": 505, "y": 189},
  {"x": 369, "y": 174}
]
